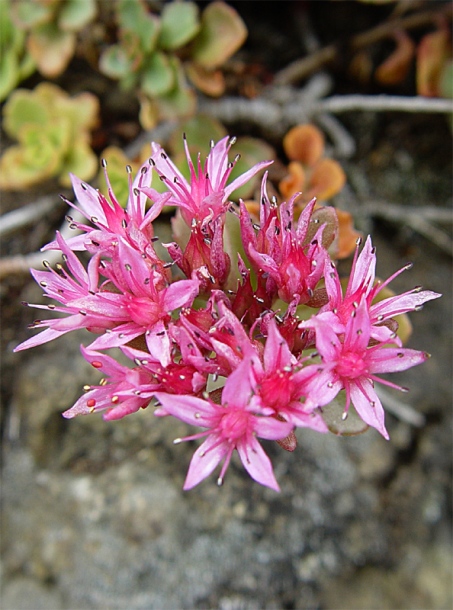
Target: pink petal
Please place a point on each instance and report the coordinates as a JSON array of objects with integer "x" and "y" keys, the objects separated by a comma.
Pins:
[
  {"x": 88, "y": 199},
  {"x": 368, "y": 405},
  {"x": 244, "y": 178},
  {"x": 256, "y": 462},
  {"x": 402, "y": 303},
  {"x": 277, "y": 354},
  {"x": 43, "y": 337},
  {"x": 358, "y": 329},
  {"x": 120, "y": 335},
  {"x": 363, "y": 270},
  {"x": 189, "y": 409},
  {"x": 237, "y": 390},
  {"x": 392, "y": 359},
  {"x": 205, "y": 459},
  {"x": 180, "y": 294},
  {"x": 308, "y": 420},
  {"x": 158, "y": 343},
  {"x": 271, "y": 428}
]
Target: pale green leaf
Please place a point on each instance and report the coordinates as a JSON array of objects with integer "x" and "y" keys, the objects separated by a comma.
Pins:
[{"x": 180, "y": 24}]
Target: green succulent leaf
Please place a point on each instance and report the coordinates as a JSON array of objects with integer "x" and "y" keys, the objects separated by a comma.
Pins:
[
  {"x": 51, "y": 48},
  {"x": 82, "y": 112},
  {"x": 133, "y": 16},
  {"x": 7, "y": 27},
  {"x": 37, "y": 158},
  {"x": 446, "y": 81},
  {"x": 80, "y": 161},
  {"x": 75, "y": 14},
  {"x": 199, "y": 130},
  {"x": 17, "y": 173},
  {"x": 8, "y": 73},
  {"x": 53, "y": 133},
  {"x": 30, "y": 13},
  {"x": 158, "y": 75},
  {"x": 23, "y": 108},
  {"x": 222, "y": 34},
  {"x": 40, "y": 145},
  {"x": 180, "y": 101},
  {"x": 114, "y": 62},
  {"x": 332, "y": 414},
  {"x": 180, "y": 24}
]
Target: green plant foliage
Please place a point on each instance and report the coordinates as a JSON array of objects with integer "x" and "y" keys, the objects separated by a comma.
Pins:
[
  {"x": 51, "y": 28},
  {"x": 222, "y": 33},
  {"x": 16, "y": 63},
  {"x": 199, "y": 130},
  {"x": 53, "y": 134},
  {"x": 153, "y": 51},
  {"x": 180, "y": 24}
]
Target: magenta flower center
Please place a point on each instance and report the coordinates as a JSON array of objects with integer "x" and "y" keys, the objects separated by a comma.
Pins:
[
  {"x": 143, "y": 311},
  {"x": 351, "y": 365},
  {"x": 277, "y": 390},
  {"x": 235, "y": 424}
]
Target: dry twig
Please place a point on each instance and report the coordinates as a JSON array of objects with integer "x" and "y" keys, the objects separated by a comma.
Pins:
[
  {"x": 21, "y": 264},
  {"x": 303, "y": 68},
  {"x": 27, "y": 214},
  {"x": 419, "y": 219}
]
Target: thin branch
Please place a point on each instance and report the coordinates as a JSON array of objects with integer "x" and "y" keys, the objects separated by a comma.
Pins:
[
  {"x": 435, "y": 235},
  {"x": 290, "y": 107},
  {"x": 417, "y": 218},
  {"x": 22, "y": 263},
  {"x": 394, "y": 211},
  {"x": 304, "y": 67},
  {"x": 27, "y": 214},
  {"x": 379, "y": 103}
]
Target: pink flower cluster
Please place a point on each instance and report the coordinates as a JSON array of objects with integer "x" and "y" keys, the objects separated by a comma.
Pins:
[{"x": 214, "y": 334}]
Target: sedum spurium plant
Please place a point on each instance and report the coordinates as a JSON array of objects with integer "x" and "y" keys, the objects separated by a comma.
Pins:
[
  {"x": 53, "y": 134},
  {"x": 156, "y": 52},
  {"x": 50, "y": 28},
  {"x": 17, "y": 64},
  {"x": 252, "y": 336}
]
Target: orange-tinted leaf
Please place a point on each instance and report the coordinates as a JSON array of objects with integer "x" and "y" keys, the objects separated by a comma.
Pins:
[
  {"x": 326, "y": 180},
  {"x": 348, "y": 235},
  {"x": 51, "y": 49},
  {"x": 432, "y": 53},
  {"x": 304, "y": 143},
  {"x": 253, "y": 208},
  {"x": 294, "y": 181},
  {"x": 210, "y": 82},
  {"x": 395, "y": 68}
]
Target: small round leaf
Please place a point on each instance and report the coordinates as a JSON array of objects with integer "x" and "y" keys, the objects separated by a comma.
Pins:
[{"x": 179, "y": 24}]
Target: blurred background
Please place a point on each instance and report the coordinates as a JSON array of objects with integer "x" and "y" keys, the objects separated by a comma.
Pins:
[{"x": 352, "y": 100}]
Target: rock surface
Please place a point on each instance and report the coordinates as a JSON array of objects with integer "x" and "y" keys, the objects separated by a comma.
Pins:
[{"x": 94, "y": 515}]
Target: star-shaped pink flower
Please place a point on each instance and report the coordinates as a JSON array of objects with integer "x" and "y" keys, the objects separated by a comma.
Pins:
[{"x": 234, "y": 424}]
